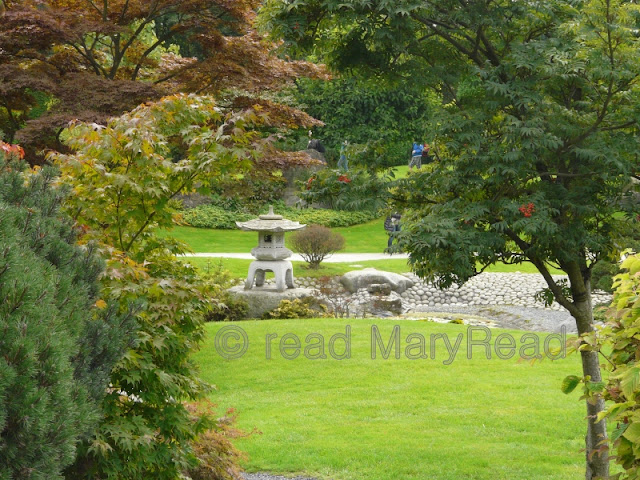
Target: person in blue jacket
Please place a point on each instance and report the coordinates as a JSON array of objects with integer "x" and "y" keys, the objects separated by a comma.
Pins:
[{"x": 416, "y": 155}]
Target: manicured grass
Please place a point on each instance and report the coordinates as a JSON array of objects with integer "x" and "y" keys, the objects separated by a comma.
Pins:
[
  {"x": 369, "y": 237},
  {"x": 358, "y": 418},
  {"x": 401, "y": 171}
]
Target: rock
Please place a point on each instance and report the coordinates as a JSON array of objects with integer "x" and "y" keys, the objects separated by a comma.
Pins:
[
  {"x": 265, "y": 299},
  {"x": 352, "y": 281},
  {"x": 379, "y": 288},
  {"x": 387, "y": 304}
]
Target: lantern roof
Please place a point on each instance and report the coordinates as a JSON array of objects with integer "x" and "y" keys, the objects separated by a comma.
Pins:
[{"x": 270, "y": 223}]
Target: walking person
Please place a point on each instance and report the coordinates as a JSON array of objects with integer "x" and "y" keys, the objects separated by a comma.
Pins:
[{"x": 392, "y": 226}]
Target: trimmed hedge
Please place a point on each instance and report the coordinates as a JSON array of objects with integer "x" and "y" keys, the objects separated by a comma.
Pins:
[{"x": 211, "y": 216}]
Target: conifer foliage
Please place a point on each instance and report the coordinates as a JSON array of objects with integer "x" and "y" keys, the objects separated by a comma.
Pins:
[{"x": 55, "y": 348}]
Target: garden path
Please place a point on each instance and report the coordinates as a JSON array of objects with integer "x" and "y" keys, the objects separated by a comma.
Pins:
[{"x": 335, "y": 258}]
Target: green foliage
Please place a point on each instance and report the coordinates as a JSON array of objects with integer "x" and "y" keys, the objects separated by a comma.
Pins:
[
  {"x": 622, "y": 387},
  {"x": 258, "y": 187},
  {"x": 123, "y": 177},
  {"x": 306, "y": 307},
  {"x": 125, "y": 174},
  {"x": 213, "y": 216},
  {"x": 602, "y": 275},
  {"x": 315, "y": 243},
  {"x": 56, "y": 349},
  {"x": 357, "y": 189},
  {"x": 226, "y": 308},
  {"x": 606, "y": 268},
  {"x": 385, "y": 117}
]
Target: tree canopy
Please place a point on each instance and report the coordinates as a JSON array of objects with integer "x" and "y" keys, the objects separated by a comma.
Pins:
[{"x": 83, "y": 60}]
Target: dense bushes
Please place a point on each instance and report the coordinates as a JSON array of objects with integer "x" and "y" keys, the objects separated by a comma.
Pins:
[
  {"x": 214, "y": 216},
  {"x": 55, "y": 349},
  {"x": 222, "y": 306},
  {"x": 358, "y": 189},
  {"x": 391, "y": 116},
  {"x": 217, "y": 457}
]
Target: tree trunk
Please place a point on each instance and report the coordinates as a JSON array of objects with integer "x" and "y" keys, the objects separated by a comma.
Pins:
[{"x": 597, "y": 463}]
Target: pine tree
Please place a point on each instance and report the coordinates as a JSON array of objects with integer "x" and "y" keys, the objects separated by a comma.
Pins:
[{"x": 55, "y": 349}]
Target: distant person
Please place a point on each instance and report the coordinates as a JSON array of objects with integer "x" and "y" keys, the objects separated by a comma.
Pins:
[
  {"x": 315, "y": 144},
  {"x": 343, "y": 163},
  {"x": 426, "y": 157},
  {"x": 392, "y": 225},
  {"x": 416, "y": 155}
]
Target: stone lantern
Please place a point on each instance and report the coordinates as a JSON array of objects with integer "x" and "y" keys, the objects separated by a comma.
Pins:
[{"x": 271, "y": 254}]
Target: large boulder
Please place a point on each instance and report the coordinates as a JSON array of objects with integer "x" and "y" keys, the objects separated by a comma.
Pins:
[
  {"x": 265, "y": 299},
  {"x": 352, "y": 281}
]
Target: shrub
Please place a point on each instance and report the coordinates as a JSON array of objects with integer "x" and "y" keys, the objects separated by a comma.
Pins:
[
  {"x": 602, "y": 275},
  {"x": 217, "y": 457},
  {"x": 329, "y": 218},
  {"x": 255, "y": 188},
  {"x": 306, "y": 307},
  {"x": 226, "y": 308},
  {"x": 315, "y": 243},
  {"x": 333, "y": 293},
  {"x": 221, "y": 305}
]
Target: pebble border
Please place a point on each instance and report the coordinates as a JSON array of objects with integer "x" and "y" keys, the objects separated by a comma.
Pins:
[{"x": 517, "y": 289}]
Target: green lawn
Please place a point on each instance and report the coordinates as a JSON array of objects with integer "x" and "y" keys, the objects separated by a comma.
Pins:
[
  {"x": 240, "y": 267},
  {"x": 368, "y": 237},
  {"x": 360, "y": 418}
]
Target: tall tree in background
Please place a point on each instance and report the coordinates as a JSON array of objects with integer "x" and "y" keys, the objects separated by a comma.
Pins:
[
  {"x": 537, "y": 135},
  {"x": 384, "y": 116},
  {"x": 63, "y": 60}
]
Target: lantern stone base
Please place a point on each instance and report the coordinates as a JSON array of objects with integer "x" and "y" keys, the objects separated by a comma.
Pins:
[
  {"x": 282, "y": 270},
  {"x": 265, "y": 299}
]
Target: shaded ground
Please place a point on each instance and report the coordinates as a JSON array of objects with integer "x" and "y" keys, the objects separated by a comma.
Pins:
[{"x": 506, "y": 316}]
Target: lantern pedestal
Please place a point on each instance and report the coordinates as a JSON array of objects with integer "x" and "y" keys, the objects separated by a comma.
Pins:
[{"x": 282, "y": 269}]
